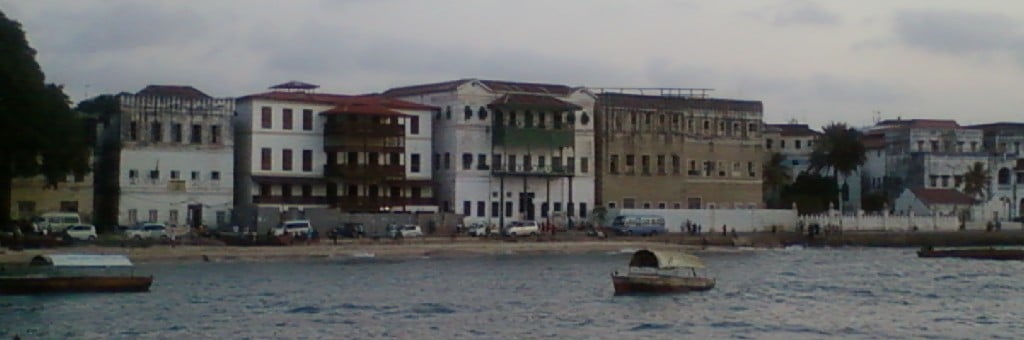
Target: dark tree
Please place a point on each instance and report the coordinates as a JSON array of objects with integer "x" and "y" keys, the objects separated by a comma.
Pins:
[
  {"x": 774, "y": 176},
  {"x": 811, "y": 192},
  {"x": 105, "y": 110},
  {"x": 42, "y": 136},
  {"x": 840, "y": 150}
]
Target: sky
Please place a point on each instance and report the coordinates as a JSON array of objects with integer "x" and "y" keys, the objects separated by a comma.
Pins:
[{"x": 813, "y": 61}]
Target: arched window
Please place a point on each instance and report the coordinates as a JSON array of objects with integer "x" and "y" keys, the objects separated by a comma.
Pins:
[
  {"x": 482, "y": 112},
  {"x": 584, "y": 119},
  {"x": 1004, "y": 176}
]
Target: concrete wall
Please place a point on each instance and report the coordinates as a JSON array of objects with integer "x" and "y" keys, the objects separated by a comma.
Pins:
[
  {"x": 325, "y": 219},
  {"x": 886, "y": 222},
  {"x": 742, "y": 220}
]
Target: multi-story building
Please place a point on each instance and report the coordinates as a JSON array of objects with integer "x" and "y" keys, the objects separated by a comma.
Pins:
[
  {"x": 923, "y": 153},
  {"x": 510, "y": 150},
  {"x": 297, "y": 149},
  {"x": 1006, "y": 163},
  {"x": 794, "y": 141},
  {"x": 675, "y": 151},
  {"x": 173, "y": 157}
]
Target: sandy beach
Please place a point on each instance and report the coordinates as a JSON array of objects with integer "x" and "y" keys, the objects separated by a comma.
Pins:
[{"x": 385, "y": 250}]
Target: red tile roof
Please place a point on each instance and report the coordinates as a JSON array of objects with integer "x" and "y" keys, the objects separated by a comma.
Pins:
[
  {"x": 795, "y": 130},
  {"x": 177, "y": 91},
  {"x": 922, "y": 123},
  {"x": 337, "y": 99},
  {"x": 942, "y": 196},
  {"x": 499, "y": 86},
  {"x": 532, "y": 101}
]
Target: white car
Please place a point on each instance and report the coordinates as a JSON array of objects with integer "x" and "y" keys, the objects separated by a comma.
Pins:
[
  {"x": 477, "y": 230},
  {"x": 147, "y": 231},
  {"x": 410, "y": 230},
  {"x": 294, "y": 228},
  {"x": 83, "y": 232},
  {"x": 522, "y": 228}
]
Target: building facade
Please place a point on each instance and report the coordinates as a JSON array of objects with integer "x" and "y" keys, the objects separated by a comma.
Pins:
[
  {"x": 678, "y": 152},
  {"x": 297, "y": 149},
  {"x": 508, "y": 151},
  {"x": 174, "y": 157},
  {"x": 794, "y": 141}
]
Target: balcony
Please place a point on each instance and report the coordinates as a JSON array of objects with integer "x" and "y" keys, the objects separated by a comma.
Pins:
[
  {"x": 545, "y": 171},
  {"x": 373, "y": 204},
  {"x": 303, "y": 200},
  {"x": 363, "y": 129},
  {"x": 364, "y": 171},
  {"x": 532, "y": 137}
]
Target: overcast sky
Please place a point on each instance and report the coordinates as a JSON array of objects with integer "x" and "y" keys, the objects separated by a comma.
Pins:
[{"x": 815, "y": 61}]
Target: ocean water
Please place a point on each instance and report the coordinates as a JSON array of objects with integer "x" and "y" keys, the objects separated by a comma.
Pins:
[{"x": 761, "y": 294}]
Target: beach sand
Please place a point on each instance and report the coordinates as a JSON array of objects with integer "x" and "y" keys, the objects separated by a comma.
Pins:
[{"x": 384, "y": 249}]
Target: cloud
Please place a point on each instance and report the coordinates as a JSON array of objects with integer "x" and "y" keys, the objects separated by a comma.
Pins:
[
  {"x": 795, "y": 13},
  {"x": 958, "y": 33},
  {"x": 125, "y": 26}
]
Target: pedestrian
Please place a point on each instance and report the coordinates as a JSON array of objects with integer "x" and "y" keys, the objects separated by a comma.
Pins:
[{"x": 724, "y": 233}]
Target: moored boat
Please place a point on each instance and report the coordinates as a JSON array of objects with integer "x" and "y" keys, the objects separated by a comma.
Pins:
[
  {"x": 973, "y": 253},
  {"x": 76, "y": 274},
  {"x": 653, "y": 271}
]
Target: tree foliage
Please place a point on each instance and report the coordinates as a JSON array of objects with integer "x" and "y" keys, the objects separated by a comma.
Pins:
[
  {"x": 42, "y": 135},
  {"x": 774, "y": 176},
  {"x": 839, "y": 149},
  {"x": 976, "y": 180},
  {"x": 811, "y": 192}
]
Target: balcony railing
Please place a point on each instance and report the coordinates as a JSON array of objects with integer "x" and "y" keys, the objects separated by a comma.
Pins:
[
  {"x": 364, "y": 171},
  {"x": 523, "y": 170},
  {"x": 532, "y": 137},
  {"x": 363, "y": 129},
  {"x": 306, "y": 200}
]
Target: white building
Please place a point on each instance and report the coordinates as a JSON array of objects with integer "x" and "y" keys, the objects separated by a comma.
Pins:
[
  {"x": 297, "y": 149},
  {"x": 175, "y": 163},
  {"x": 506, "y": 151},
  {"x": 793, "y": 141}
]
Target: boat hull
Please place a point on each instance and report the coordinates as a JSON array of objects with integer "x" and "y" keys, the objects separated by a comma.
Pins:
[
  {"x": 659, "y": 284},
  {"x": 981, "y": 254},
  {"x": 73, "y": 284}
]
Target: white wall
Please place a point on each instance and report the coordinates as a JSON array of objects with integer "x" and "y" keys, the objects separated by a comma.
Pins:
[
  {"x": 144, "y": 194},
  {"x": 712, "y": 220}
]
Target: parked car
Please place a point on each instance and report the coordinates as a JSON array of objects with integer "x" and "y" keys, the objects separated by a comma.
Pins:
[
  {"x": 411, "y": 230},
  {"x": 83, "y": 232},
  {"x": 351, "y": 230},
  {"x": 522, "y": 228},
  {"x": 477, "y": 230},
  {"x": 147, "y": 231},
  {"x": 294, "y": 227}
]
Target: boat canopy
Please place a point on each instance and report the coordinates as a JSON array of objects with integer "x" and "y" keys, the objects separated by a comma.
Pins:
[
  {"x": 81, "y": 261},
  {"x": 664, "y": 260}
]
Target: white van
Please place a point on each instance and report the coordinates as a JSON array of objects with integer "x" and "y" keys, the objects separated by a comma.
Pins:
[
  {"x": 294, "y": 228},
  {"x": 522, "y": 228},
  {"x": 56, "y": 222}
]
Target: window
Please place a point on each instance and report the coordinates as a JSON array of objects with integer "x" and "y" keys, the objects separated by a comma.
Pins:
[
  {"x": 286, "y": 119},
  {"x": 693, "y": 203},
  {"x": 133, "y": 173},
  {"x": 584, "y": 164},
  {"x": 215, "y": 175},
  {"x": 467, "y": 161},
  {"x": 508, "y": 209},
  {"x": 613, "y": 164},
  {"x": 414, "y": 163},
  {"x": 437, "y": 161},
  {"x": 511, "y": 162},
  {"x": 628, "y": 203},
  {"x": 447, "y": 161},
  {"x": 630, "y": 163},
  {"x": 153, "y": 215},
  {"x": 195, "y": 175},
  {"x": 495, "y": 209},
  {"x": 197, "y": 134},
  {"x": 176, "y": 133},
  {"x": 133, "y": 131},
  {"x": 133, "y": 216},
  {"x": 175, "y": 174},
  {"x": 469, "y": 114},
  {"x": 542, "y": 162},
  {"x": 544, "y": 209},
  {"x": 286, "y": 190},
  {"x": 707, "y": 125},
  {"x": 645, "y": 164},
  {"x": 583, "y": 210},
  {"x": 557, "y": 206},
  {"x": 307, "y": 160},
  {"x": 496, "y": 160},
  {"x": 154, "y": 174},
  {"x": 527, "y": 162},
  {"x": 751, "y": 128},
  {"x": 481, "y": 208},
  {"x": 266, "y": 121},
  {"x": 796, "y": 144},
  {"x": 214, "y": 134},
  {"x": 265, "y": 189},
  {"x": 661, "y": 164},
  {"x": 286, "y": 159},
  {"x": 466, "y": 208},
  {"x": 481, "y": 162},
  {"x": 448, "y": 113},
  {"x": 155, "y": 134},
  {"x": 482, "y": 113},
  {"x": 676, "y": 164},
  {"x": 414, "y": 125},
  {"x": 307, "y": 120},
  {"x": 172, "y": 216},
  {"x": 265, "y": 162}
]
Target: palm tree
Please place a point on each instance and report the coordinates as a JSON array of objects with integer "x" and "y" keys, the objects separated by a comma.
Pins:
[
  {"x": 976, "y": 180},
  {"x": 774, "y": 176},
  {"x": 840, "y": 150}
]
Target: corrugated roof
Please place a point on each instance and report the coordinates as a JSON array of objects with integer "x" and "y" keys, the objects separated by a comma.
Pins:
[
  {"x": 176, "y": 91},
  {"x": 941, "y": 196},
  {"x": 532, "y": 101}
]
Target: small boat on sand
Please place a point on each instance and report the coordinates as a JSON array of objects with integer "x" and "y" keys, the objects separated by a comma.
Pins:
[
  {"x": 74, "y": 274},
  {"x": 652, "y": 271},
  {"x": 974, "y": 253}
]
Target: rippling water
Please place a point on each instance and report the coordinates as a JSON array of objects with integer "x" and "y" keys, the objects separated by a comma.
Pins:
[{"x": 813, "y": 293}]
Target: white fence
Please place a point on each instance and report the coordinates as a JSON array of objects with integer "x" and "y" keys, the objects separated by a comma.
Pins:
[{"x": 712, "y": 220}]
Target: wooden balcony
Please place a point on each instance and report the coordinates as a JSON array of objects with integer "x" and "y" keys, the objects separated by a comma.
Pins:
[
  {"x": 523, "y": 171},
  {"x": 363, "y": 129},
  {"x": 364, "y": 171}
]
